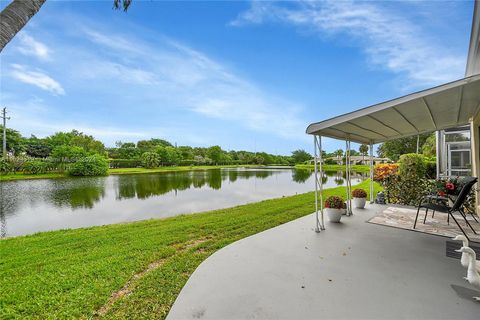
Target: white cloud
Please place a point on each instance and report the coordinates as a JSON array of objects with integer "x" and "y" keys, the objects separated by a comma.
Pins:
[
  {"x": 182, "y": 77},
  {"x": 31, "y": 47},
  {"x": 389, "y": 39},
  {"x": 36, "y": 78}
]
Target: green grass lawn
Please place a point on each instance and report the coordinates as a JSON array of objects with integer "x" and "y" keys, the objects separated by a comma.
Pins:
[
  {"x": 335, "y": 167},
  {"x": 73, "y": 273}
]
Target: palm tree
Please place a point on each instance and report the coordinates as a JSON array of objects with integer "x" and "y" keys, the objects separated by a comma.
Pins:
[
  {"x": 363, "y": 150},
  {"x": 16, "y": 15}
]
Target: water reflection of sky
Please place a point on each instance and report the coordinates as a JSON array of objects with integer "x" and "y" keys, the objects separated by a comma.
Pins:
[{"x": 39, "y": 205}]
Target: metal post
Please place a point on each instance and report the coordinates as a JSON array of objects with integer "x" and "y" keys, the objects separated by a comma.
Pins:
[
  {"x": 4, "y": 145},
  {"x": 322, "y": 226},
  {"x": 418, "y": 143},
  {"x": 371, "y": 173},
  {"x": 317, "y": 229},
  {"x": 347, "y": 176},
  {"x": 317, "y": 141}
]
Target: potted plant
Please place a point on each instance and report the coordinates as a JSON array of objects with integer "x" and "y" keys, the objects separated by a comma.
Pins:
[
  {"x": 359, "y": 198},
  {"x": 334, "y": 207}
]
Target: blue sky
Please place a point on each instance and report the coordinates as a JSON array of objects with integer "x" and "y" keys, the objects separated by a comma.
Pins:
[{"x": 243, "y": 75}]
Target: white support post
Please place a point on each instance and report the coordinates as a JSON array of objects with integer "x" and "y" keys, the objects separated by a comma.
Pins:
[
  {"x": 371, "y": 174},
  {"x": 317, "y": 229},
  {"x": 317, "y": 141},
  {"x": 348, "y": 177},
  {"x": 320, "y": 181}
]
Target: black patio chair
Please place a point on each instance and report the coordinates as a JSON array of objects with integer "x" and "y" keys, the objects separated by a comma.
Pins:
[{"x": 457, "y": 206}]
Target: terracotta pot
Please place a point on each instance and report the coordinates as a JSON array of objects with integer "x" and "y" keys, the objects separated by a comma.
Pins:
[
  {"x": 334, "y": 215},
  {"x": 359, "y": 203}
]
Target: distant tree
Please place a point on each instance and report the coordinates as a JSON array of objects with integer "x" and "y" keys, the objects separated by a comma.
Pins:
[
  {"x": 186, "y": 152},
  {"x": 300, "y": 156},
  {"x": 215, "y": 153},
  {"x": 77, "y": 139},
  {"x": 67, "y": 153},
  {"x": 37, "y": 148},
  {"x": 363, "y": 150},
  {"x": 150, "y": 145},
  {"x": 15, "y": 141},
  {"x": 150, "y": 160},
  {"x": 393, "y": 149},
  {"x": 339, "y": 153},
  {"x": 429, "y": 148},
  {"x": 174, "y": 155}
]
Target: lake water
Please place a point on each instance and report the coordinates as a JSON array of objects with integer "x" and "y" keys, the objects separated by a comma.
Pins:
[{"x": 29, "y": 206}]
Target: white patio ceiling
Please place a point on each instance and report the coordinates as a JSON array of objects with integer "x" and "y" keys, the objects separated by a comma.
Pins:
[{"x": 446, "y": 106}]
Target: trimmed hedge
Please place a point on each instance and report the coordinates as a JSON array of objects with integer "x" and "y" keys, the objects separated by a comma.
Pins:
[{"x": 125, "y": 163}]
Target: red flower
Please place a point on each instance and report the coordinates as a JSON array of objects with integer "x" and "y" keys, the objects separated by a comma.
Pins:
[
  {"x": 450, "y": 186},
  {"x": 441, "y": 194}
]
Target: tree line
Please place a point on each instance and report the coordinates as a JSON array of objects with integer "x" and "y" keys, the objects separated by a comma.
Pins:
[{"x": 60, "y": 150}]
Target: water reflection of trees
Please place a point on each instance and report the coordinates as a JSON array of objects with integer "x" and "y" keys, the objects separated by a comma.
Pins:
[
  {"x": 148, "y": 185},
  {"x": 77, "y": 193},
  {"x": 339, "y": 177}
]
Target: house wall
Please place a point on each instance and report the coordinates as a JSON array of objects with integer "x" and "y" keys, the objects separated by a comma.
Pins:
[{"x": 475, "y": 130}]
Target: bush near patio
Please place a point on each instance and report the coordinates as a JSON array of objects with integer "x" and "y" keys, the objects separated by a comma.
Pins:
[{"x": 406, "y": 182}]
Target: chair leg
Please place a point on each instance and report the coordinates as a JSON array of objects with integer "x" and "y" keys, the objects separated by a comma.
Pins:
[
  {"x": 459, "y": 226},
  {"x": 425, "y": 218},
  {"x": 466, "y": 220},
  {"x": 416, "y": 218},
  {"x": 433, "y": 213},
  {"x": 474, "y": 218}
]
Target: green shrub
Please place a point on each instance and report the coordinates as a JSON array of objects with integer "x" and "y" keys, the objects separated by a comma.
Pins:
[
  {"x": 35, "y": 167},
  {"x": 411, "y": 182},
  {"x": 330, "y": 162},
  {"x": 150, "y": 160},
  {"x": 6, "y": 166},
  {"x": 431, "y": 169},
  {"x": 412, "y": 165},
  {"x": 94, "y": 165}
]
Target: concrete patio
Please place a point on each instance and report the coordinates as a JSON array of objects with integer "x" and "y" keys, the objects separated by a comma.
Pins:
[{"x": 353, "y": 270}]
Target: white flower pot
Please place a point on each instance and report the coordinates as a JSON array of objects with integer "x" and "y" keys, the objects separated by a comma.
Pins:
[
  {"x": 334, "y": 215},
  {"x": 359, "y": 203}
]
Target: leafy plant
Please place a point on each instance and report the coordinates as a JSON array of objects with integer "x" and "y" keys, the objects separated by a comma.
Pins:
[
  {"x": 412, "y": 165},
  {"x": 35, "y": 167},
  {"x": 6, "y": 166},
  {"x": 94, "y": 165},
  {"x": 150, "y": 160},
  {"x": 359, "y": 193},
  {"x": 334, "y": 202},
  {"x": 383, "y": 171}
]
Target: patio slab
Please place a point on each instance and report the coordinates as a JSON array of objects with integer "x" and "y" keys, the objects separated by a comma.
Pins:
[{"x": 353, "y": 270}]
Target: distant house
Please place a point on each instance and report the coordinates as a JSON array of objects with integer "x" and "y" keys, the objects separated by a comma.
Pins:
[{"x": 355, "y": 160}]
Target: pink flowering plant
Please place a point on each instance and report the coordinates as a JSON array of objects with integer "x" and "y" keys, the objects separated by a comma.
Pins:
[{"x": 447, "y": 186}]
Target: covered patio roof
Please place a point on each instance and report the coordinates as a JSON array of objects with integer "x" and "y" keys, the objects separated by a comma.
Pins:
[{"x": 447, "y": 106}]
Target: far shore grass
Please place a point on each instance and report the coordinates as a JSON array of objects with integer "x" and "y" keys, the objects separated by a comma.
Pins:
[
  {"x": 75, "y": 273},
  {"x": 117, "y": 171},
  {"x": 53, "y": 175}
]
